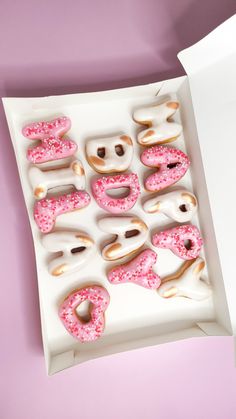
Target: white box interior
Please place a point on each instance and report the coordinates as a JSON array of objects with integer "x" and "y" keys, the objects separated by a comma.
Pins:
[{"x": 136, "y": 316}]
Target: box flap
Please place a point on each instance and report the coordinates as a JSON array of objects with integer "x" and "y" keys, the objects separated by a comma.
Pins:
[
  {"x": 211, "y": 68},
  {"x": 215, "y": 47}
]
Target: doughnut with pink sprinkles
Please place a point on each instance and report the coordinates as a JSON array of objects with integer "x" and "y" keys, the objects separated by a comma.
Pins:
[
  {"x": 85, "y": 331},
  {"x": 46, "y": 210},
  {"x": 53, "y": 146},
  {"x": 184, "y": 241},
  {"x": 138, "y": 270},
  {"x": 116, "y": 205},
  {"x": 171, "y": 165}
]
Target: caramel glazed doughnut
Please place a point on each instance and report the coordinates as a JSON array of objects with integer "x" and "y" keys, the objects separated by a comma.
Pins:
[
  {"x": 108, "y": 155},
  {"x": 161, "y": 130}
]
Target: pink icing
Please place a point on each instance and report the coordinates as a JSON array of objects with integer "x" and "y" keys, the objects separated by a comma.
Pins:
[
  {"x": 52, "y": 146},
  {"x": 46, "y": 210},
  {"x": 138, "y": 270},
  {"x": 116, "y": 205},
  {"x": 93, "y": 329},
  {"x": 172, "y": 164},
  {"x": 175, "y": 238}
]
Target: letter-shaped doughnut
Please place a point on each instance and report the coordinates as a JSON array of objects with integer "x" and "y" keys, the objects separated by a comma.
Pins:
[
  {"x": 53, "y": 146},
  {"x": 184, "y": 241},
  {"x": 178, "y": 205},
  {"x": 76, "y": 249},
  {"x": 41, "y": 181},
  {"x": 116, "y": 205},
  {"x": 107, "y": 155},
  {"x": 186, "y": 282},
  {"x": 138, "y": 270},
  {"x": 80, "y": 329},
  {"x": 160, "y": 130},
  {"x": 171, "y": 163},
  {"x": 47, "y": 210},
  {"x": 131, "y": 233}
]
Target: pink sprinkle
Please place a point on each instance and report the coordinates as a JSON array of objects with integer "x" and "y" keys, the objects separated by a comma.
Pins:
[
  {"x": 172, "y": 164},
  {"x": 52, "y": 146},
  {"x": 176, "y": 238},
  {"x": 116, "y": 205},
  {"x": 138, "y": 270},
  {"x": 93, "y": 329},
  {"x": 46, "y": 210}
]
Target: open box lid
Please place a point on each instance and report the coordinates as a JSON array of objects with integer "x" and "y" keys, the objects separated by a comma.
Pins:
[{"x": 211, "y": 68}]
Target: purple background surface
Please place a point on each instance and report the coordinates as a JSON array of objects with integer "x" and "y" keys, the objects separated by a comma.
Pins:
[{"x": 56, "y": 47}]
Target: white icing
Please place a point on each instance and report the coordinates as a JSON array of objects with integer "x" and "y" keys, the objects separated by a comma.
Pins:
[
  {"x": 160, "y": 129},
  {"x": 41, "y": 181},
  {"x": 122, "y": 245},
  {"x": 65, "y": 241},
  {"x": 189, "y": 284},
  {"x": 111, "y": 162},
  {"x": 179, "y": 205}
]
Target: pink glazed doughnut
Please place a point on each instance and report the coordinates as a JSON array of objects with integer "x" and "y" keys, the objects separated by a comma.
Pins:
[
  {"x": 184, "y": 241},
  {"x": 116, "y": 205},
  {"x": 138, "y": 270},
  {"x": 85, "y": 331},
  {"x": 46, "y": 210},
  {"x": 172, "y": 164},
  {"x": 52, "y": 146}
]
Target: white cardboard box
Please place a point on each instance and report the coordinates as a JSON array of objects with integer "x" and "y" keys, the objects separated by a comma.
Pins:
[{"x": 138, "y": 317}]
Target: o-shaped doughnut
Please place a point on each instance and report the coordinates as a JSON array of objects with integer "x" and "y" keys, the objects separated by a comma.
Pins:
[
  {"x": 178, "y": 205},
  {"x": 184, "y": 241},
  {"x": 160, "y": 129},
  {"x": 52, "y": 146},
  {"x": 138, "y": 270},
  {"x": 131, "y": 233},
  {"x": 186, "y": 282},
  {"x": 47, "y": 210},
  {"x": 85, "y": 331},
  {"x": 171, "y": 163},
  {"x": 108, "y": 155},
  {"x": 116, "y": 205}
]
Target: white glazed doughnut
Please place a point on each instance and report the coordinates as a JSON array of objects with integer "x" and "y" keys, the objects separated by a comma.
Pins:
[
  {"x": 131, "y": 233},
  {"x": 41, "y": 181},
  {"x": 76, "y": 249},
  {"x": 186, "y": 282},
  {"x": 108, "y": 155},
  {"x": 179, "y": 205},
  {"x": 160, "y": 130}
]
